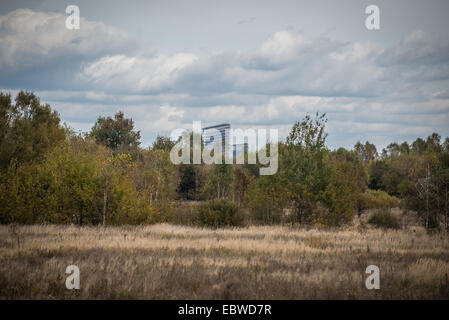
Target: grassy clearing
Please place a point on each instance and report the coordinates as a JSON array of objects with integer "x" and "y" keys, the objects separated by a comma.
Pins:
[{"x": 174, "y": 262}]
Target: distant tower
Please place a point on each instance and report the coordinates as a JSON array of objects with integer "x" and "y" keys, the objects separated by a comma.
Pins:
[
  {"x": 239, "y": 148},
  {"x": 210, "y": 136}
]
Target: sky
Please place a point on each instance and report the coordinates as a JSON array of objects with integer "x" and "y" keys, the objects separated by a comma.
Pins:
[{"x": 254, "y": 64}]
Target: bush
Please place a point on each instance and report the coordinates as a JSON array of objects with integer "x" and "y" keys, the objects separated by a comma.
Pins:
[
  {"x": 69, "y": 186},
  {"x": 384, "y": 219},
  {"x": 377, "y": 199},
  {"x": 218, "y": 213},
  {"x": 184, "y": 213},
  {"x": 266, "y": 200}
]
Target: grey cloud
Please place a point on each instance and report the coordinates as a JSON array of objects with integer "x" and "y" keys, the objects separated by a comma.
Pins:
[
  {"x": 393, "y": 93},
  {"x": 38, "y": 51},
  {"x": 417, "y": 48}
]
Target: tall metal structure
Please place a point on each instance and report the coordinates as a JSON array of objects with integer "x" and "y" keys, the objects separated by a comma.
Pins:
[
  {"x": 220, "y": 134},
  {"x": 216, "y": 134}
]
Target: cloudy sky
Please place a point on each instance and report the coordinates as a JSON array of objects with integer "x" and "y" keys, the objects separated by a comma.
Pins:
[{"x": 261, "y": 64}]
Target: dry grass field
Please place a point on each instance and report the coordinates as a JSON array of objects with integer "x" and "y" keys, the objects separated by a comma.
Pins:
[{"x": 173, "y": 262}]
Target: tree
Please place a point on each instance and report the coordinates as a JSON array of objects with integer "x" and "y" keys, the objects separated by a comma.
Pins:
[
  {"x": 219, "y": 181},
  {"x": 340, "y": 196},
  {"x": 322, "y": 186},
  {"x": 433, "y": 143},
  {"x": 154, "y": 178},
  {"x": 187, "y": 187},
  {"x": 417, "y": 174},
  {"x": 404, "y": 148},
  {"x": 303, "y": 168},
  {"x": 266, "y": 198},
  {"x": 393, "y": 150},
  {"x": 117, "y": 134},
  {"x": 367, "y": 152},
  {"x": 28, "y": 129},
  {"x": 240, "y": 184},
  {"x": 419, "y": 146},
  {"x": 376, "y": 170},
  {"x": 163, "y": 143},
  {"x": 62, "y": 188},
  {"x": 354, "y": 171},
  {"x": 218, "y": 213},
  {"x": 446, "y": 146},
  {"x": 440, "y": 181},
  {"x": 192, "y": 177},
  {"x": 69, "y": 186}
]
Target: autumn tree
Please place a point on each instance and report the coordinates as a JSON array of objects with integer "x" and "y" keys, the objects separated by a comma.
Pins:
[
  {"x": 266, "y": 198},
  {"x": 28, "y": 129},
  {"x": 241, "y": 181},
  {"x": 117, "y": 134},
  {"x": 355, "y": 171},
  {"x": 163, "y": 143},
  {"x": 303, "y": 165},
  {"x": 154, "y": 178},
  {"x": 367, "y": 151},
  {"x": 219, "y": 181}
]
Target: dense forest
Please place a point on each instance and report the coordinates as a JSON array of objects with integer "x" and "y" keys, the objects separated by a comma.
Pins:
[{"x": 50, "y": 174}]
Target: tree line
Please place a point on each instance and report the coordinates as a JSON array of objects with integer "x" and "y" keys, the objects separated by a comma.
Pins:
[{"x": 51, "y": 174}]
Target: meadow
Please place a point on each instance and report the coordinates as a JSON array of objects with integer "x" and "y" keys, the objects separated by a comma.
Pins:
[{"x": 165, "y": 261}]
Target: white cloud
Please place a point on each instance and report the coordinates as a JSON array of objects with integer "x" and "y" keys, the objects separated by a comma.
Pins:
[
  {"x": 29, "y": 38},
  {"x": 137, "y": 74},
  {"x": 367, "y": 90}
]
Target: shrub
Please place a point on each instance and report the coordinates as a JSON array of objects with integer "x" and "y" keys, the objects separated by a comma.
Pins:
[
  {"x": 377, "y": 199},
  {"x": 218, "y": 213},
  {"x": 384, "y": 219},
  {"x": 77, "y": 182},
  {"x": 266, "y": 199},
  {"x": 184, "y": 213}
]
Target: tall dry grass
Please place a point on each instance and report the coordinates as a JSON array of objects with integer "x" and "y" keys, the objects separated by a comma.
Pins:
[{"x": 174, "y": 262}]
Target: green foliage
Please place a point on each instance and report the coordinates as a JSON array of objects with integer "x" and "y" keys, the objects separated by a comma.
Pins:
[
  {"x": 154, "y": 178},
  {"x": 378, "y": 199},
  {"x": 340, "y": 196},
  {"x": 303, "y": 165},
  {"x": 367, "y": 151},
  {"x": 219, "y": 181},
  {"x": 191, "y": 177},
  {"x": 353, "y": 172},
  {"x": 240, "y": 184},
  {"x": 69, "y": 186},
  {"x": 376, "y": 171},
  {"x": 188, "y": 187},
  {"x": 126, "y": 204},
  {"x": 384, "y": 219},
  {"x": 61, "y": 189},
  {"x": 323, "y": 187},
  {"x": 49, "y": 174},
  {"x": 429, "y": 196},
  {"x": 266, "y": 199},
  {"x": 218, "y": 213},
  {"x": 28, "y": 129},
  {"x": 163, "y": 143},
  {"x": 418, "y": 174},
  {"x": 117, "y": 134},
  {"x": 184, "y": 214}
]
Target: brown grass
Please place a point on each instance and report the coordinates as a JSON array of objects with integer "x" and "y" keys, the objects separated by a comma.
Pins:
[{"x": 174, "y": 262}]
